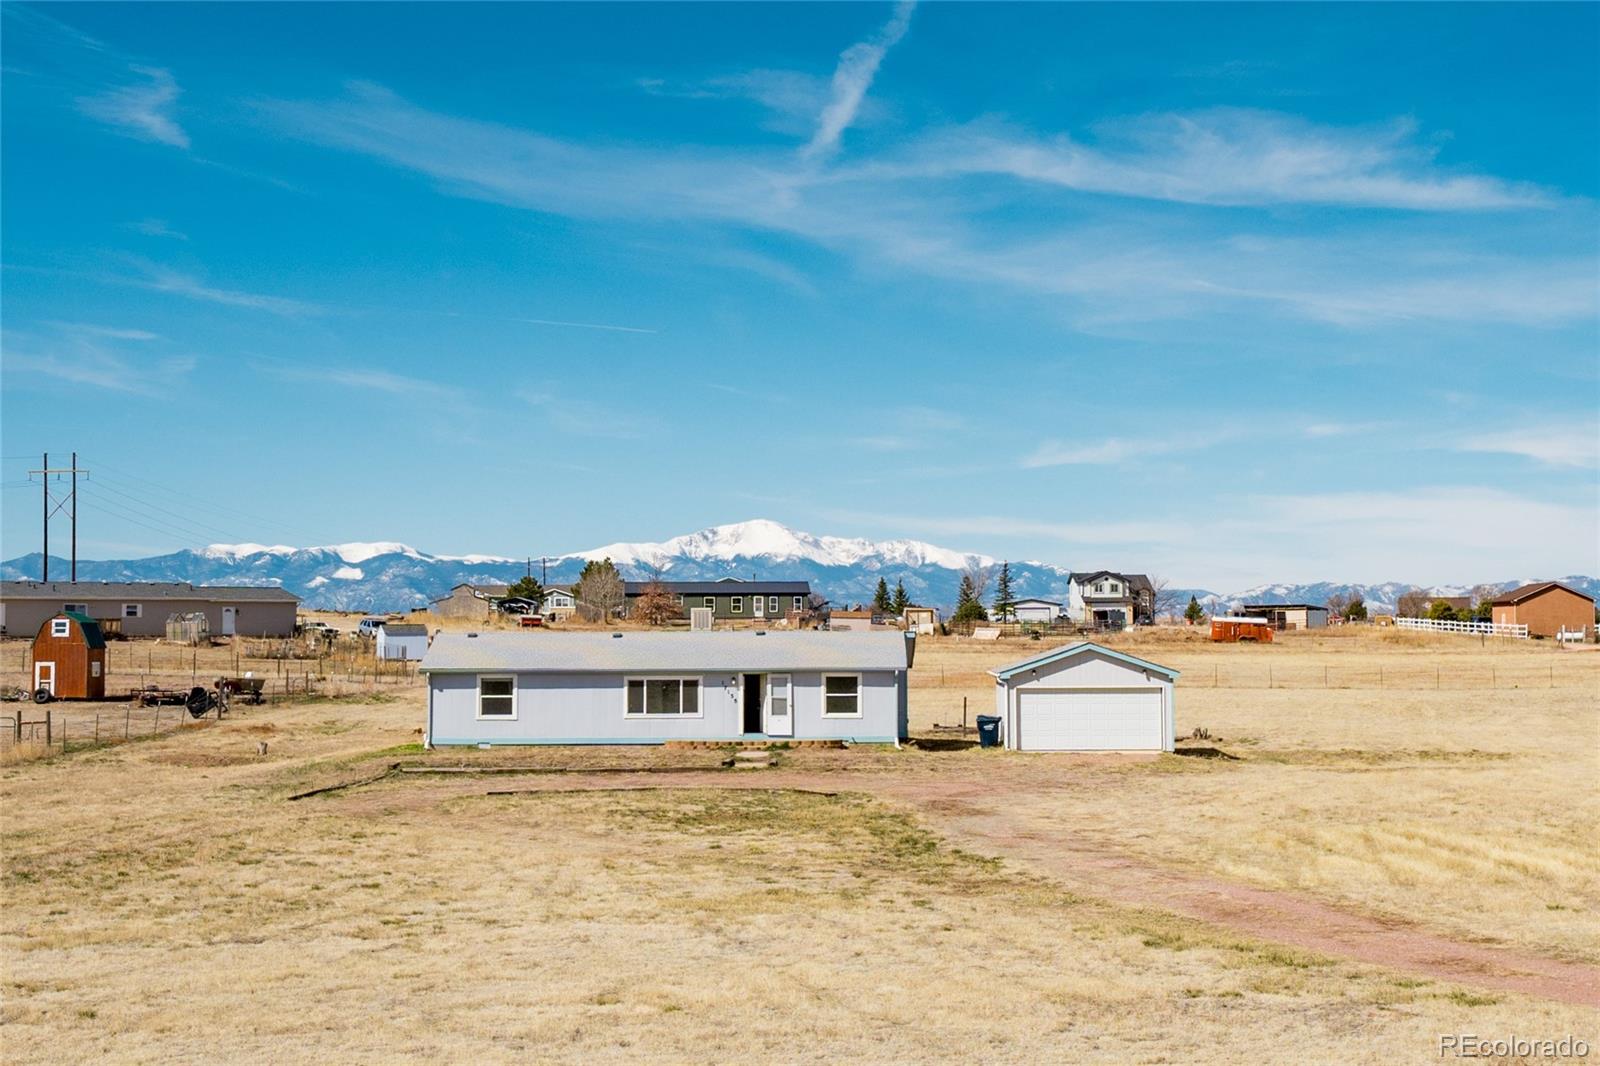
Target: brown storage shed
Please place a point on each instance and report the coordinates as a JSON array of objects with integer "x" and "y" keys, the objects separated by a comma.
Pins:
[
  {"x": 69, "y": 658},
  {"x": 1546, "y": 608}
]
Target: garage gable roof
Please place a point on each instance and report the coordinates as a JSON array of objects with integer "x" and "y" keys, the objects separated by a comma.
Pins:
[
  {"x": 646, "y": 652},
  {"x": 1006, "y": 673}
]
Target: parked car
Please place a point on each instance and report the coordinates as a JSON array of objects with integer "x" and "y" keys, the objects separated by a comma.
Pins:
[
  {"x": 517, "y": 605},
  {"x": 318, "y": 629},
  {"x": 369, "y": 627}
]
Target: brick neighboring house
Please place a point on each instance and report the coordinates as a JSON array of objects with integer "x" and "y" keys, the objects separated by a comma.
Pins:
[{"x": 1545, "y": 607}]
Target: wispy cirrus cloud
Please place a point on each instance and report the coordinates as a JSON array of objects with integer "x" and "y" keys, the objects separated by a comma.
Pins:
[
  {"x": 176, "y": 283},
  {"x": 96, "y": 356},
  {"x": 858, "y": 66},
  {"x": 1569, "y": 444},
  {"x": 1106, "y": 452},
  {"x": 145, "y": 109},
  {"x": 1223, "y": 157},
  {"x": 157, "y": 227}
]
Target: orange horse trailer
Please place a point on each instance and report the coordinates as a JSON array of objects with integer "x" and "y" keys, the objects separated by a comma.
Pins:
[{"x": 1230, "y": 630}]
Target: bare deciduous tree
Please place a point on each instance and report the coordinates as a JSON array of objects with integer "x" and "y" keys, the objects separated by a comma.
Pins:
[
  {"x": 656, "y": 605},
  {"x": 599, "y": 590},
  {"x": 1337, "y": 604},
  {"x": 980, "y": 577},
  {"x": 1413, "y": 603},
  {"x": 1166, "y": 601}
]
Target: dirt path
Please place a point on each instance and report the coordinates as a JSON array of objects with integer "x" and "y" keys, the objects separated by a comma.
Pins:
[{"x": 973, "y": 814}]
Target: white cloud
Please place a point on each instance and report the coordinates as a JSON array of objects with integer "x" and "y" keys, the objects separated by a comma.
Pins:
[
  {"x": 1121, "y": 266},
  {"x": 1574, "y": 444},
  {"x": 1225, "y": 157},
  {"x": 157, "y": 227},
  {"x": 858, "y": 65},
  {"x": 95, "y": 356},
  {"x": 1109, "y": 451},
  {"x": 161, "y": 279},
  {"x": 145, "y": 110}
]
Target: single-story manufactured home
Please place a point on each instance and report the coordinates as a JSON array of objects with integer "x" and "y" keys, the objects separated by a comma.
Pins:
[
  {"x": 1084, "y": 697},
  {"x": 141, "y": 608},
  {"x": 1290, "y": 615},
  {"x": 653, "y": 687},
  {"x": 731, "y": 598}
]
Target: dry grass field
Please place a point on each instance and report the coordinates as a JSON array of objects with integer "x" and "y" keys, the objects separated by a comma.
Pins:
[{"x": 166, "y": 900}]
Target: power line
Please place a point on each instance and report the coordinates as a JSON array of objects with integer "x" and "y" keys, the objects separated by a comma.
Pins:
[
  {"x": 177, "y": 524},
  {"x": 190, "y": 498},
  {"x": 153, "y": 507},
  {"x": 153, "y": 524}
]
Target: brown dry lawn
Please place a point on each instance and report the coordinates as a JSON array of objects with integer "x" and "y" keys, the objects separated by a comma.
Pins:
[{"x": 165, "y": 901}]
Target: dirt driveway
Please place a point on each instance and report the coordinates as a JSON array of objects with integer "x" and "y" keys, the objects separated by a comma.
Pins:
[{"x": 984, "y": 817}]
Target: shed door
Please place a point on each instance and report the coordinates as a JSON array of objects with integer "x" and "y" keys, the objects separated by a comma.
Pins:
[
  {"x": 1090, "y": 720},
  {"x": 44, "y": 676}
]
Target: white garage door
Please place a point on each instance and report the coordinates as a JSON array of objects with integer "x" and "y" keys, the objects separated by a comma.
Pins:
[{"x": 1089, "y": 720}]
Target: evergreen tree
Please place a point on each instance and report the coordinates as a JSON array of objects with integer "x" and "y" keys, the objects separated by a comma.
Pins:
[
  {"x": 1004, "y": 600},
  {"x": 1356, "y": 610},
  {"x": 968, "y": 607},
  {"x": 880, "y": 598},
  {"x": 900, "y": 601},
  {"x": 1194, "y": 613},
  {"x": 527, "y": 588}
]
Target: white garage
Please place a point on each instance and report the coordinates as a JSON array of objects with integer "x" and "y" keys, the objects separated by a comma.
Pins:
[
  {"x": 1085, "y": 697},
  {"x": 1033, "y": 610}
]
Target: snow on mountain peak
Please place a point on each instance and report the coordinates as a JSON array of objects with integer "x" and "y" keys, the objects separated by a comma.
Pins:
[
  {"x": 764, "y": 538},
  {"x": 354, "y": 552}
]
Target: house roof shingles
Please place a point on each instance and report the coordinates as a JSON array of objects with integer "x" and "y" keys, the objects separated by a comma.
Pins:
[
  {"x": 1527, "y": 592},
  {"x": 725, "y": 587},
  {"x": 635, "y": 652},
  {"x": 78, "y": 591}
]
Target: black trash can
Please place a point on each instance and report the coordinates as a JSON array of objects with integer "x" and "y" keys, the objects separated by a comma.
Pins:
[{"x": 989, "y": 730}]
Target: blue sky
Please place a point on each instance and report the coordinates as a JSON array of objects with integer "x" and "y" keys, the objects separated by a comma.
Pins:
[{"x": 1227, "y": 293}]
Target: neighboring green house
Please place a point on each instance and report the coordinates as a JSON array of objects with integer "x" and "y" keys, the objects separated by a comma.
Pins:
[{"x": 731, "y": 597}]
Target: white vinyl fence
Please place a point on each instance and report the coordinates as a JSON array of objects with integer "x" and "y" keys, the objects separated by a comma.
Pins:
[{"x": 1472, "y": 629}]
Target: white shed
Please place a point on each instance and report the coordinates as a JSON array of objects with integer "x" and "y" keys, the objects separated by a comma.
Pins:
[
  {"x": 1036, "y": 610},
  {"x": 402, "y": 641},
  {"x": 1084, "y": 697}
]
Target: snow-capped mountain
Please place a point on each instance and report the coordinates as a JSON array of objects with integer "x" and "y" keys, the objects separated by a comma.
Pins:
[{"x": 387, "y": 575}]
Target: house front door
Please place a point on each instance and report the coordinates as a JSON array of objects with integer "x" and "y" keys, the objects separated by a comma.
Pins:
[
  {"x": 44, "y": 676},
  {"x": 780, "y": 706},
  {"x": 752, "y": 691},
  {"x": 229, "y": 618},
  {"x": 758, "y": 606}
]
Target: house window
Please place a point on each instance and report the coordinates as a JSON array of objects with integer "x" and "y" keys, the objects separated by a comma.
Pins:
[
  {"x": 736, "y": 604},
  {"x": 94, "y": 669},
  {"x": 710, "y": 601},
  {"x": 497, "y": 697},
  {"x": 76, "y": 608},
  {"x": 133, "y": 610},
  {"x": 680, "y": 599},
  {"x": 654, "y": 696},
  {"x": 1100, "y": 587},
  {"x": 772, "y": 605},
  {"x": 798, "y": 604},
  {"x": 60, "y": 627},
  {"x": 841, "y": 696}
]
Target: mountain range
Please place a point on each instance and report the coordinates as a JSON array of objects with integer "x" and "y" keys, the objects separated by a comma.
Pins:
[{"x": 387, "y": 575}]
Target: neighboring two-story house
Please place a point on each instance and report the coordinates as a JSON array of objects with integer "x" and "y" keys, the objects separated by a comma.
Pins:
[{"x": 1108, "y": 599}]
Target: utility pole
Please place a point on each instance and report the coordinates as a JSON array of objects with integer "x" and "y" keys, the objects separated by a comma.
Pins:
[
  {"x": 544, "y": 571},
  {"x": 69, "y": 503}
]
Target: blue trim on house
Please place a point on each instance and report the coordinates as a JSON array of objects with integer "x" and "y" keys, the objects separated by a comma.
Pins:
[
  {"x": 1006, "y": 673},
  {"x": 580, "y": 741}
]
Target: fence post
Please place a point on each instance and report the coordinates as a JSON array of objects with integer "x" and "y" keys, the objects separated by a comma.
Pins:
[
  {"x": 48, "y": 728},
  {"x": 97, "y": 729},
  {"x": 157, "y": 723},
  {"x": 127, "y": 721}
]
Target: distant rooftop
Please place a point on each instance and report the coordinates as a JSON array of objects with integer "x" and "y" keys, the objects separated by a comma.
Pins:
[{"x": 75, "y": 591}]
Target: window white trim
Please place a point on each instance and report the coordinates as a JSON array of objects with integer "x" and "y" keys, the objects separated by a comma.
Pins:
[
  {"x": 133, "y": 610},
  {"x": 836, "y": 714},
  {"x": 478, "y": 705},
  {"x": 772, "y": 605},
  {"x": 76, "y": 608},
  {"x": 710, "y": 601},
  {"x": 61, "y": 627},
  {"x": 799, "y": 605},
  {"x": 699, "y": 703},
  {"x": 736, "y": 604}
]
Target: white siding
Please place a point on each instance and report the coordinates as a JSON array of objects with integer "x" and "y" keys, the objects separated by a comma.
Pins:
[
  {"x": 1102, "y": 723},
  {"x": 590, "y": 709}
]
